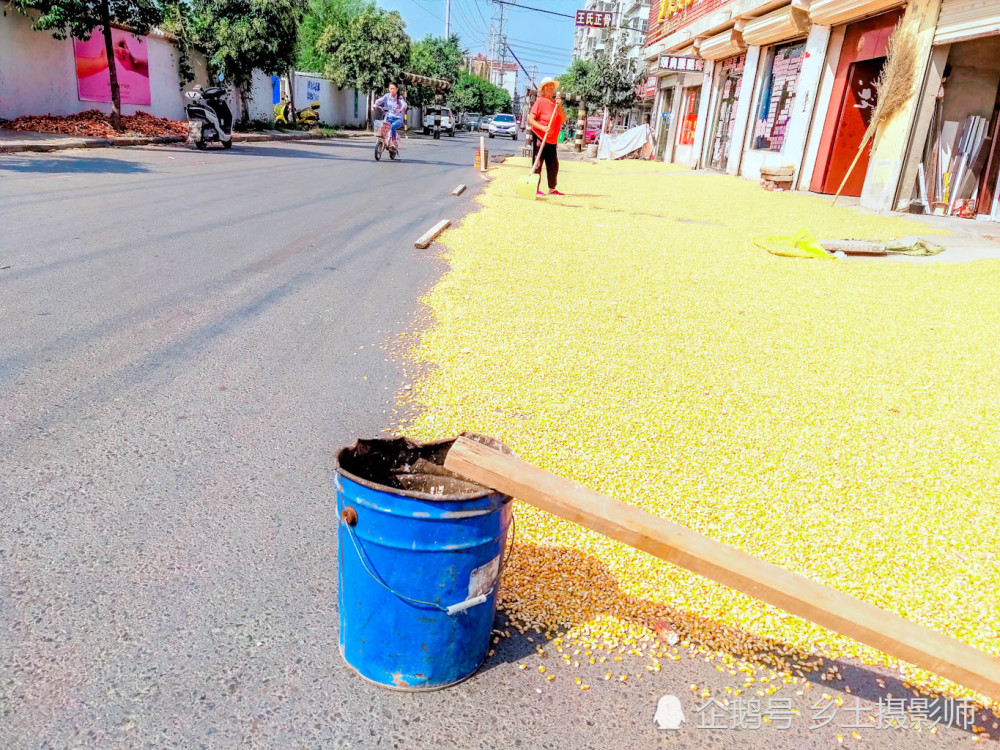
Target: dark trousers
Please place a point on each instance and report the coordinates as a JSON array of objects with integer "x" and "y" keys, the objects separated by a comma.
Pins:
[{"x": 550, "y": 158}]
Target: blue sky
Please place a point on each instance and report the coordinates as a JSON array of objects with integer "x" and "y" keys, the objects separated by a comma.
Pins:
[{"x": 536, "y": 38}]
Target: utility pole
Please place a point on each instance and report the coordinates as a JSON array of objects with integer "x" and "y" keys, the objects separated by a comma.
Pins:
[
  {"x": 614, "y": 53},
  {"x": 447, "y": 19}
]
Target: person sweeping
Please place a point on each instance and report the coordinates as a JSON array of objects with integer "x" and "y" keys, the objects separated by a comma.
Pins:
[{"x": 545, "y": 108}]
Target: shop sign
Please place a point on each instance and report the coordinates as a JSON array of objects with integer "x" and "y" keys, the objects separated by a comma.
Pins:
[
  {"x": 681, "y": 63},
  {"x": 597, "y": 19}
]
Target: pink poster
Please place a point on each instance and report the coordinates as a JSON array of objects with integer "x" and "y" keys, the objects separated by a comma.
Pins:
[{"x": 132, "y": 67}]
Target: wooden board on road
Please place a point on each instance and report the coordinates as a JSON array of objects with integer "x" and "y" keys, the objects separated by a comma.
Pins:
[
  {"x": 459, "y": 190},
  {"x": 431, "y": 234},
  {"x": 888, "y": 632}
]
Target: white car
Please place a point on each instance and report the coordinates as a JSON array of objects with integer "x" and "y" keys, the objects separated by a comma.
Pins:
[
  {"x": 447, "y": 122},
  {"x": 504, "y": 125}
]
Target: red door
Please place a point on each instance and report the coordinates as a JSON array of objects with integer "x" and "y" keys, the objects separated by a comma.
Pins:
[
  {"x": 861, "y": 59},
  {"x": 855, "y": 114}
]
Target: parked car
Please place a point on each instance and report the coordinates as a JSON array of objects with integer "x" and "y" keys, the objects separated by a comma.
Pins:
[
  {"x": 447, "y": 121},
  {"x": 503, "y": 124},
  {"x": 484, "y": 123},
  {"x": 593, "y": 128}
]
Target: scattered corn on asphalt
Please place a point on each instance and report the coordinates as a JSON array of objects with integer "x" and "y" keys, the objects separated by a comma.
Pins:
[{"x": 838, "y": 419}]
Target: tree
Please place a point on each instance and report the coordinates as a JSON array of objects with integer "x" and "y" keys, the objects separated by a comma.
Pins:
[
  {"x": 243, "y": 35},
  {"x": 577, "y": 80},
  {"x": 79, "y": 18},
  {"x": 472, "y": 94},
  {"x": 319, "y": 15},
  {"x": 367, "y": 53},
  {"x": 434, "y": 57},
  {"x": 612, "y": 81}
]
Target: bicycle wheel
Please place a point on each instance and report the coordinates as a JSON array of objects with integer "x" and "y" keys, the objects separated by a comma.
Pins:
[{"x": 379, "y": 146}]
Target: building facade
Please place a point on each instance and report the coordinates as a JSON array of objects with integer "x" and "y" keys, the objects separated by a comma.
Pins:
[
  {"x": 588, "y": 42},
  {"x": 743, "y": 85}
]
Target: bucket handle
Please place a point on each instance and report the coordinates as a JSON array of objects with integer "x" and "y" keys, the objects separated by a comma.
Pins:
[{"x": 450, "y": 610}]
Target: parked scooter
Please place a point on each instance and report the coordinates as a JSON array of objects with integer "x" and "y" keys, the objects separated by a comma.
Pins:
[
  {"x": 210, "y": 118},
  {"x": 307, "y": 117}
]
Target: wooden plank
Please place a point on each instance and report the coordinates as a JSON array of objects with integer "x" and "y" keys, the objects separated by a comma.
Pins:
[
  {"x": 459, "y": 190},
  {"x": 431, "y": 234},
  {"x": 888, "y": 632}
]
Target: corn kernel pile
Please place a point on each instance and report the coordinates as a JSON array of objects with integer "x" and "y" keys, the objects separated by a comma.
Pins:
[{"x": 835, "y": 418}]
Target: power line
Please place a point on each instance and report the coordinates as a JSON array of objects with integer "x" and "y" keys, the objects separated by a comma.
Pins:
[{"x": 537, "y": 10}]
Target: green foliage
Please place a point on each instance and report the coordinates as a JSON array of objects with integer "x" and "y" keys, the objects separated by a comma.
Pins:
[
  {"x": 435, "y": 57},
  {"x": 577, "y": 80},
  {"x": 242, "y": 35},
  {"x": 613, "y": 81},
  {"x": 319, "y": 15},
  {"x": 473, "y": 94},
  {"x": 179, "y": 21},
  {"x": 78, "y": 18},
  {"x": 368, "y": 52}
]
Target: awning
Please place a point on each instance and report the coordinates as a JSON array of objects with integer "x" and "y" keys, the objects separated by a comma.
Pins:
[
  {"x": 832, "y": 12},
  {"x": 967, "y": 19},
  {"x": 723, "y": 45},
  {"x": 787, "y": 23}
]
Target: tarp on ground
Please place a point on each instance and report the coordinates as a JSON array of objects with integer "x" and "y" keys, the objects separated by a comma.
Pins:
[{"x": 623, "y": 144}]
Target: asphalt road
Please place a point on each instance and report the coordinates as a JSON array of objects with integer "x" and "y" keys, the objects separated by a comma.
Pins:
[{"x": 185, "y": 340}]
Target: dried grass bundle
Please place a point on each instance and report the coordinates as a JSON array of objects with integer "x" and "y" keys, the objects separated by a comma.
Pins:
[{"x": 893, "y": 88}]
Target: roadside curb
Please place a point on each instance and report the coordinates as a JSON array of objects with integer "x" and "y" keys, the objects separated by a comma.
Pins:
[{"x": 62, "y": 145}]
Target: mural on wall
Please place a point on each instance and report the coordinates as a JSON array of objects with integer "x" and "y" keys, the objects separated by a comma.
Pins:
[{"x": 132, "y": 66}]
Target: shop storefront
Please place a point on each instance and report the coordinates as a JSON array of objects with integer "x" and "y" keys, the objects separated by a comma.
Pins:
[
  {"x": 960, "y": 159},
  {"x": 664, "y": 118},
  {"x": 852, "y": 102},
  {"x": 728, "y": 82},
  {"x": 772, "y": 120},
  {"x": 675, "y": 113}
]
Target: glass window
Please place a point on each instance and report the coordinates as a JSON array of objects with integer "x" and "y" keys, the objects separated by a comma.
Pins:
[{"x": 777, "y": 96}]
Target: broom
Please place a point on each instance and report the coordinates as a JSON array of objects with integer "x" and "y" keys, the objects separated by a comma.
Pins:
[
  {"x": 528, "y": 185},
  {"x": 893, "y": 88}
]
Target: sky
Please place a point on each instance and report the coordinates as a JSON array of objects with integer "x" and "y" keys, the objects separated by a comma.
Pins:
[{"x": 536, "y": 38}]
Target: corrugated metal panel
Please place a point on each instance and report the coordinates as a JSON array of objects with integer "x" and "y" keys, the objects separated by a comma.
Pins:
[
  {"x": 787, "y": 23},
  {"x": 967, "y": 19},
  {"x": 726, "y": 44},
  {"x": 832, "y": 12}
]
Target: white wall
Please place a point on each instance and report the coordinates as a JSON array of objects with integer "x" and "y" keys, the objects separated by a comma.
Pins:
[
  {"x": 38, "y": 74},
  {"x": 336, "y": 105}
]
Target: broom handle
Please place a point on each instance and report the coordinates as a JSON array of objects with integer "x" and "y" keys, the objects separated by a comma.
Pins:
[
  {"x": 548, "y": 129},
  {"x": 850, "y": 169}
]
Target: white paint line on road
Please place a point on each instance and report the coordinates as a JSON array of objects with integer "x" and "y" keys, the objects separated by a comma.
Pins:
[
  {"x": 459, "y": 190},
  {"x": 430, "y": 235}
]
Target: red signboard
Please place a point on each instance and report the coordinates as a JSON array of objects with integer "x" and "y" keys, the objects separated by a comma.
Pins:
[
  {"x": 649, "y": 90},
  {"x": 598, "y": 19}
]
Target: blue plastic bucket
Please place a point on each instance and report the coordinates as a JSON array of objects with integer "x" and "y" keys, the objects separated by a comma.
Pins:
[{"x": 420, "y": 553}]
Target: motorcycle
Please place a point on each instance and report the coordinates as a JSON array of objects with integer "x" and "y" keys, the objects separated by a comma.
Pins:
[
  {"x": 307, "y": 117},
  {"x": 385, "y": 142},
  {"x": 210, "y": 118}
]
